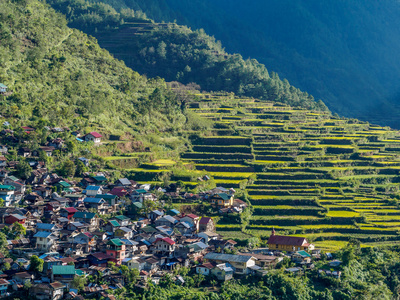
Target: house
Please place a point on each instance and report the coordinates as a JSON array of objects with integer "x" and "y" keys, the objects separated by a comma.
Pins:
[
  {"x": 50, "y": 262},
  {"x": 99, "y": 259},
  {"x": 99, "y": 204},
  {"x": 112, "y": 226},
  {"x": 301, "y": 256},
  {"x": 204, "y": 269},
  {"x": 64, "y": 274},
  {"x": 87, "y": 217},
  {"x": 15, "y": 182},
  {"x": 100, "y": 179},
  {"x": 184, "y": 228},
  {"x": 264, "y": 261},
  {"x": 240, "y": 263},
  {"x": 22, "y": 277},
  {"x": 11, "y": 219},
  {"x": 124, "y": 182},
  {"x": 164, "y": 246},
  {"x": 84, "y": 160},
  {"x": 122, "y": 220},
  {"x": 134, "y": 263},
  {"x": 93, "y": 190},
  {"x": 7, "y": 194},
  {"x": 94, "y": 137},
  {"x": 3, "y": 162},
  {"x": 206, "y": 224},
  {"x": 192, "y": 219},
  {"x": 123, "y": 233},
  {"x": 173, "y": 212},
  {"x": 3, "y": 149},
  {"x": 116, "y": 249},
  {"x": 335, "y": 263},
  {"x": 166, "y": 221},
  {"x": 47, "y": 291},
  {"x": 86, "y": 239},
  {"x": 294, "y": 270},
  {"x": 119, "y": 191},
  {"x": 222, "y": 200},
  {"x": 288, "y": 243},
  {"x": 223, "y": 272},
  {"x": 62, "y": 185},
  {"x": 46, "y": 149},
  {"x": 57, "y": 143},
  {"x": 45, "y": 240},
  {"x": 46, "y": 227},
  {"x": 3, "y": 287},
  {"x": 77, "y": 226},
  {"x": 151, "y": 264},
  {"x": 3, "y": 88},
  {"x": 68, "y": 212},
  {"x": 155, "y": 214},
  {"x": 138, "y": 195}
]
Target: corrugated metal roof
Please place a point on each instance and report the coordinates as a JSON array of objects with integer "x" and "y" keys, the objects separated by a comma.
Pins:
[
  {"x": 227, "y": 257},
  {"x": 42, "y": 234},
  {"x": 92, "y": 188},
  {"x": 45, "y": 226},
  {"x": 63, "y": 270}
]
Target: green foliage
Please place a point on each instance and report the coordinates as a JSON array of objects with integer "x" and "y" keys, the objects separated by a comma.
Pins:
[
  {"x": 61, "y": 77},
  {"x": 178, "y": 53},
  {"x": 18, "y": 229},
  {"x": 78, "y": 282},
  {"x": 67, "y": 169},
  {"x": 36, "y": 264},
  {"x": 23, "y": 169}
]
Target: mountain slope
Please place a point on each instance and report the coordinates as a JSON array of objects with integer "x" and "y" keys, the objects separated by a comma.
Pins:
[
  {"x": 178, "y": 53},
  {"x": 343, "y": 52},
  {"x": 61, "y": 77}
]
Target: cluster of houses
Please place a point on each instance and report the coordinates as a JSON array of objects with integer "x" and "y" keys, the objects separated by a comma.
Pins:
[
  {"x": 50, "y": 146},
  {"x": 79, "y": 228},
  {"x": 78, "y": 232}
]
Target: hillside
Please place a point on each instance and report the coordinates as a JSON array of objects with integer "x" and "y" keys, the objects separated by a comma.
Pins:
[
  {"x": 344, "y": 52},
  {"x": 177, "y": 53},
  {"x": 328, "y": 178},
  {"x": 57, "y": 76}
]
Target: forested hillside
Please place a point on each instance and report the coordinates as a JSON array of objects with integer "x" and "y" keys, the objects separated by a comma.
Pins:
[
  {"x": 343, "y": 52},
  {"x": 59, "y": 76},
  {"x": 178, "y": 53}
]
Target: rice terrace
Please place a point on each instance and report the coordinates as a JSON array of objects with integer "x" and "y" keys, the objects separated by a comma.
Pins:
[{"x": 328, "y": 178}]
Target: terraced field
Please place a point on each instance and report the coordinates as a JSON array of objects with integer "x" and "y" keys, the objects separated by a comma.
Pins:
[{"x": 327, "y": 178}]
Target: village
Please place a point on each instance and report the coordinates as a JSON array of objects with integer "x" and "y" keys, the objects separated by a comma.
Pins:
[{"x": 83, "y": 239}]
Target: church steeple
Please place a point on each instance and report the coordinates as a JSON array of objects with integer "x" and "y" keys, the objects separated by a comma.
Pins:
[{"x": 273, "y": 231}]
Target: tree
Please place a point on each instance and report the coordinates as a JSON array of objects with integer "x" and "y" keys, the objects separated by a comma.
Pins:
[
  {"x": 3, "y": 241},
  {"x": 78, "y": 282},
  {"x": 162, "y": 49},
  {"x": 36, "y": 264},
  {"x": 80, "y": 168},
  {"x": 18, "y": 229},
  {"x": 67, "y": 168},
  {"x": 23, "y": 169},
  {"x": 198, "y": 279}
]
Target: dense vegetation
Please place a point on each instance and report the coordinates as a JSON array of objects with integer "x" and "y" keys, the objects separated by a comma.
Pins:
[
  {"x": 344, "y": 52},
  {"x": 178, "y": 53},
  {"x": 59, "y": 76}
]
